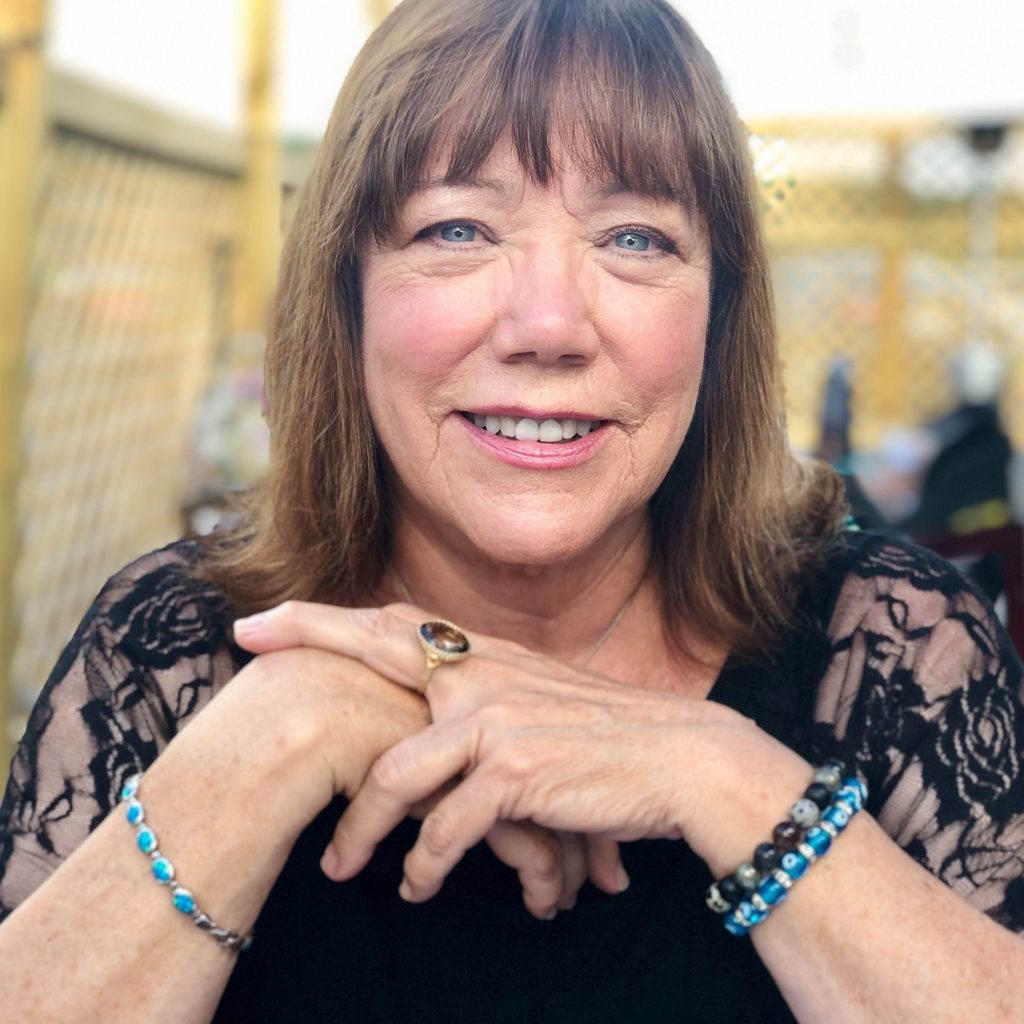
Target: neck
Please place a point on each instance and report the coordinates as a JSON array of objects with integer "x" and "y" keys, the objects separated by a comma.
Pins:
[{"x": 570, "y": 610}]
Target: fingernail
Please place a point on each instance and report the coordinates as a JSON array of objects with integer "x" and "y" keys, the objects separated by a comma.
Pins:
[
  {"x": 329, "y": 862},
  {"x": 250, "y": 623},
  {"x": 551, "y": 914},
  {"x": 570, "y": 904},
  {"x": 622, "y": 879},
  {"x": 405, "y": 891}
]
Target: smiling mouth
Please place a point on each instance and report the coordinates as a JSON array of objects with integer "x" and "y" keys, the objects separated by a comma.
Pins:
[{"x": 523, "y": 428}]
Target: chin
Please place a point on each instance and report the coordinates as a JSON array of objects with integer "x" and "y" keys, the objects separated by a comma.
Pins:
[{"x": 532, "y": 545}]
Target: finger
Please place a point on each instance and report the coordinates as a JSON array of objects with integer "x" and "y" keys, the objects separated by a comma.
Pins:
[
  {"x": 537, "y": 856},
  {"x": 379, "y": 637},
  {"x": 458, "y": 822},
  {"x": 604, "y": 865},
  {"x": 574, "y": 867},
  {"x": 403, "y": 776}
]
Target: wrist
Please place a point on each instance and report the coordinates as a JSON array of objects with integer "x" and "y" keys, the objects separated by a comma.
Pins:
[
  {"x": 748, "y": 895},
  {"x": 749, "y": 794}
]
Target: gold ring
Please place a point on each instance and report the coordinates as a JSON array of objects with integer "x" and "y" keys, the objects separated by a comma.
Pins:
[{"x": 442, "y": 641}]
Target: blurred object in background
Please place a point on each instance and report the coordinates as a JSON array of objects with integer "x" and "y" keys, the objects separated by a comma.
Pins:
[
  {"x": 230, "y": 446},
  {"x": 834, "y": 446},
  {"x": 966, "y": 487}
]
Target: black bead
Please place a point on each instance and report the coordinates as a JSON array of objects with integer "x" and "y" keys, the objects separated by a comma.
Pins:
[
  {"x": 731, "y": 891},
  {"x": 818, "y": 793},
  {"x": 766, "y": 857}
]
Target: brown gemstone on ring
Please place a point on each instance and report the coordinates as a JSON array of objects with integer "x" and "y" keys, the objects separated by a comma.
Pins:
[{"x": 444, "y": 639}]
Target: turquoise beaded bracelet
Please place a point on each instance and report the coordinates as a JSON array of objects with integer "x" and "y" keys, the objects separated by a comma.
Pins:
[
  {"x": 163, "y": 871},
  {"x": 747, "y": 897}
]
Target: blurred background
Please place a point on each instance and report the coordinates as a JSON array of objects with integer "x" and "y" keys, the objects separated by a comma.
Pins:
[{"x": 148, "y": 157}]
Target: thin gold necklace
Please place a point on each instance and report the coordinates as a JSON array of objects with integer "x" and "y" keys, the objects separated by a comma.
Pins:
[{"x": 609, "y": 629}]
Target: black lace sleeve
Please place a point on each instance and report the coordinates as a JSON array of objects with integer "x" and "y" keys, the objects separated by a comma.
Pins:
[
  {"x": 925, "y": 691},
  {"x": 148, "y": 655}
]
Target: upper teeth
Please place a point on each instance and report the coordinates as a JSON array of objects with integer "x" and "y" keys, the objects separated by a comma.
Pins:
[{"x": 526, "y": 429}]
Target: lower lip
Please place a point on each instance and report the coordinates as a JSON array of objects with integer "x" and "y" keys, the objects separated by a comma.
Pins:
[{"x": 536, "y": 454}]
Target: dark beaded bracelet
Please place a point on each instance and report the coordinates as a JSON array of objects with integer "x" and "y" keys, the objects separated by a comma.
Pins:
[
  {"x": 749, "y": 893},
  {"x": 766, "y": 857},
  {"x": 818, "y": 793}
]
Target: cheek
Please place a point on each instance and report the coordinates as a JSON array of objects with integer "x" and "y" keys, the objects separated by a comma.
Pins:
[
  {"x": 419, "y": 330},
  {"x": 663, "y": 339}
]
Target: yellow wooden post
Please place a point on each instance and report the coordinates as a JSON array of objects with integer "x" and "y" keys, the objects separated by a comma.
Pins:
[
  {"x": 22, "y": 86},
  {"x": 260, "y": 207},
  {"x": 888, "y": 368}
]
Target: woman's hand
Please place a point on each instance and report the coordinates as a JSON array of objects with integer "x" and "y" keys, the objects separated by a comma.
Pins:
[
  {"x": 517, "y": 737},
  {"x": 376, "y": 714}
]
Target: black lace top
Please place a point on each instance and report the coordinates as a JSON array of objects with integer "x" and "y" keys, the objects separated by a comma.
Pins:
[{"x": 899, "y": 666}]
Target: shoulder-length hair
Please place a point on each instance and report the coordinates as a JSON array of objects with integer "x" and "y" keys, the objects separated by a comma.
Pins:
[{"x": 626, "y": 89}]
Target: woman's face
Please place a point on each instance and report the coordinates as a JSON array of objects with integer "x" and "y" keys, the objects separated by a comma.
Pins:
[{"x": 571, "y": 317}]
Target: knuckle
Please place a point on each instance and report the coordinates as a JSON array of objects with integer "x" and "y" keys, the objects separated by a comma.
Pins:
[
  {"x": 494, "y": 717},
  {"x": 289, "y": 610},
  {"x": 416, "y": 873},
  {"x": 437, "y": 833},
  {"x": 513, "y": 765},
  {"x": 381, "y": 622},
  {"x": 394, "y": 613},
  {"x": 386, "y": 772},
  {"x": 545, "y": 864}
]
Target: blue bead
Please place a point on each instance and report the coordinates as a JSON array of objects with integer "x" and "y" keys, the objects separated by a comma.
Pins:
[
  {"x": 163, "y": 870},
  {"x": 750, "y": 914},
  {"x": 852, "y": 794},
  {"x": 135, "y": 813},
  {"x": 146, "y": 840},
  {"x": 818, "y": 840},
  {"x": 131, "y": 787},
  {"x": 184, "y": 900},
  {"x": 794, "y": 864},
  {"x": 735, "y": 927},
  {"x": 771, "y": 891},
  {"x": 836, "y": 816}
]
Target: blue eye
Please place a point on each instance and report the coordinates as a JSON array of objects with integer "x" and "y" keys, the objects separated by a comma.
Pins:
[
  {"x": 633, "y": 240},
  {"x": 458, "y": 233}
]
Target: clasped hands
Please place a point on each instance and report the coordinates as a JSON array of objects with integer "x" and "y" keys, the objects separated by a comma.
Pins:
[{"x": 552, "y": 765}]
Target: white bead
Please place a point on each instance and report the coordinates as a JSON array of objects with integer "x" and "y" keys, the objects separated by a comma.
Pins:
[
  {"x": 805, "y": 813},
  {"x": 715, "y": 900}
]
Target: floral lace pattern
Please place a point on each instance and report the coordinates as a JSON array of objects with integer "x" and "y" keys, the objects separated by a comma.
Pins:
[
  {"x": 149, "y": 655},
  {"x": 924, "y": 690},
  {"x": 920, "y": 687}
]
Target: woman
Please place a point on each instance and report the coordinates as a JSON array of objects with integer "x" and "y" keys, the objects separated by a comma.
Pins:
[{"x": 523, "y": 378}]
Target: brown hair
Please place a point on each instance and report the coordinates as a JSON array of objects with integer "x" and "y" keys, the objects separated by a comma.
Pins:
[{"x": 626, "y": 89}]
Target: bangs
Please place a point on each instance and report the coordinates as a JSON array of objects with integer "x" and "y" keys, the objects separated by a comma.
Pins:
[{"x": 613, "y": 87}]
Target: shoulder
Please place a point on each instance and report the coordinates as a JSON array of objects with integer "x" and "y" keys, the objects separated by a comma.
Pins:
[
  {"x": 160, "y": 608},
  {"x": 888, "y": 587},
  {"x": 924, "y": 692},
  {"x": 916, "y": 655}
]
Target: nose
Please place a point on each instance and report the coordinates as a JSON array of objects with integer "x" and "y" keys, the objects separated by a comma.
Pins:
[{"x": 548, "y": 309}]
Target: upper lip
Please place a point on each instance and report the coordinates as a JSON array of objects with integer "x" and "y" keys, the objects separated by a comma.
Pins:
[{"x": 521, "y": 412}]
